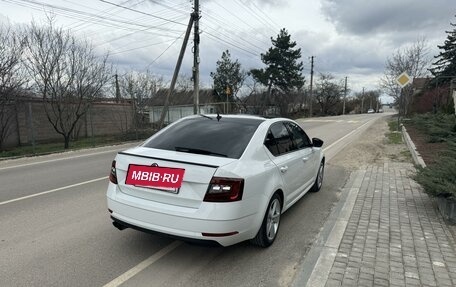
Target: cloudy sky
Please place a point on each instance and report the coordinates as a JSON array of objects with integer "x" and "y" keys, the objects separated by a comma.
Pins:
[{"x": 347, "y": 37}]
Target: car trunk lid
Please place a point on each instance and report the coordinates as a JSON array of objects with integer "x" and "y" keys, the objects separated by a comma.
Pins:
[{"x": 198, "y": 172}]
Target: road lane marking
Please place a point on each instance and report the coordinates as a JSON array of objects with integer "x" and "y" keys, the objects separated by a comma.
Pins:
[
  {"x": 143, "y": 265},
  {"x": 53, "y": 190},
  {"x": 60, "y": 159},
  {"x": 53, "y": 160},
  {"x": 347, "y": 135}
]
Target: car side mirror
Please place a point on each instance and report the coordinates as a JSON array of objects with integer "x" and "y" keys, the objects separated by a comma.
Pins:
[{"x": 316, "y": 142}]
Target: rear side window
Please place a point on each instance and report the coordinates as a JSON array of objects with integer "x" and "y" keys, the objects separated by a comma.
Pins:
[
  {"x": 226, "y": 138},
  {"x": 271, "y": 144},
  {"x": 299, "y": 137},
  {"x": 278, "y": 140}
]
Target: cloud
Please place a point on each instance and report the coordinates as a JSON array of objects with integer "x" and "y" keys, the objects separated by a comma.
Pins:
[
  {"x": 3, "y": 18},
  {"x": 369, "y": 17},
  {"x": 343, "y": 53},
  {"x": 272, "y": 3}
]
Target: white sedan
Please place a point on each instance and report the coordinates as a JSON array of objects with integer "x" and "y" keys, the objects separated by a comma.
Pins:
[{"x": 211, "y": 178}]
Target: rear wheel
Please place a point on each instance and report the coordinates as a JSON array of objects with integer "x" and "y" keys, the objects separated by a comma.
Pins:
[
  {"x": 319, "y": 180},
  {"x": 270, "y": 226}
]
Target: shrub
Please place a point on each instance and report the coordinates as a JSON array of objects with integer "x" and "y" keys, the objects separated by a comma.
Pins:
[
  {"x": 439, "y": 127},
  {"x": 439, "y": 179}
]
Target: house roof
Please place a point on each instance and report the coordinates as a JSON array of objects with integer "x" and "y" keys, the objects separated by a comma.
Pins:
[
  {"x": 180, "y": 97},
  {"x": 420, "y": 83}
]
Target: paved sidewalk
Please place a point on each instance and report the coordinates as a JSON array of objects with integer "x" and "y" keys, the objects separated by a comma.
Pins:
[{"x": 394, "y": 236}]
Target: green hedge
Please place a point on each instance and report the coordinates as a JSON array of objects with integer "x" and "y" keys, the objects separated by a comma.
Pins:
[
  {"x": 440, "y": 127},
  {"x": 439, "y": 179}
]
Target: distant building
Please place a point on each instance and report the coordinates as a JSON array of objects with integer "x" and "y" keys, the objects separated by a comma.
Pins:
[{"x": 181, "y": 105}]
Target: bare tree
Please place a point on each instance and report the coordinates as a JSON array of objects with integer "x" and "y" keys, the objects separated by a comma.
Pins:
[
  {"x": 12, "y": 77},
  {"x": 415, "y": 61},
  {"x": 328, "y": 93},
  {"x": 140, "y": 88},
  {"x": 66, "y": 73},
  {"x": 184, "y": 83},
  {"x": 253, "y": 100}
]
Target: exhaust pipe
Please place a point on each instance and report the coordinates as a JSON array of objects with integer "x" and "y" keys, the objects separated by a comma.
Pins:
[{"x": 118, "y": 225}]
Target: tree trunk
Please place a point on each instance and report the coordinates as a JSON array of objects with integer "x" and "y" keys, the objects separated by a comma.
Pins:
[{"x": 67, "y": 141}]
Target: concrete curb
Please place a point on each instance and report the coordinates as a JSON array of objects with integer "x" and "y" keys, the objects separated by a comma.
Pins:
[
  {"x": 412, "y": 148},
  {"x": 447, "y": 207}
]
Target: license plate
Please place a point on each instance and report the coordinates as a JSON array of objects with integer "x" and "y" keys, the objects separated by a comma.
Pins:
[{"x": 163, "y": 178}]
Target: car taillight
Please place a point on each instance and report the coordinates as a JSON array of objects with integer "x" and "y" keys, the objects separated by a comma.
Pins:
[
  {"x": 113, "y": 174},
  {"x": 223, "y": 189}
]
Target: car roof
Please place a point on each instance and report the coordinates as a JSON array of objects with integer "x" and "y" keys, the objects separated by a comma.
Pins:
[{"x": 241, "y": 116}]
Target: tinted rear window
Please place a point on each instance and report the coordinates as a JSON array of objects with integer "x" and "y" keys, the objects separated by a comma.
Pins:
[{"x": 228, "y": 137}]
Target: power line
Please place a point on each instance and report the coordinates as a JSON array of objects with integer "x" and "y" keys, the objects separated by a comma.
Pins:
[
  {"x": 253, "y": 13},
  {"x": 145, "y": 46},
  {"x": 236, "y": 16},
  {"x": 231, "y": 44},
  {"x": 137, "y": 31},
  {"x": 77, "y": 14},
  {"x": 170, "y": 45},
  {"x": 137, "y": 11},
  {"x": 267, "y": 16},
  {"x": 233, "y": 38},
  {"x": 236, "y": 40},
  {"x": 169, "y": 7},
  {"x": 236, "y": 29},
  {"x": 106, "y": 12}
]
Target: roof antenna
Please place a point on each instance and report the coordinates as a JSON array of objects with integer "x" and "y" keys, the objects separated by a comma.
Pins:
[{"x": 218, "y": 117}]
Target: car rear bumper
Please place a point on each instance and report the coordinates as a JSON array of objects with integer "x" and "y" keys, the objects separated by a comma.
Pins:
[
  {"x": 122, "y": 225},
  {"x": 194, "y": 224}
]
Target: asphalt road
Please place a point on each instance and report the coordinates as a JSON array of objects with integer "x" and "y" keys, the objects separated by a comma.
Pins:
[{"x": 56, "y": 231}]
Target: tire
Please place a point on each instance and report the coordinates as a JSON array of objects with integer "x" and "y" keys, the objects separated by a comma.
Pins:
[
  {"x": 270, "y": 225},
  {"x": 319, "y": 180}
]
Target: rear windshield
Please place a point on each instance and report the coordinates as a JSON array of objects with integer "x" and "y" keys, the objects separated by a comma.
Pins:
[{"x": 226, "y": 138}]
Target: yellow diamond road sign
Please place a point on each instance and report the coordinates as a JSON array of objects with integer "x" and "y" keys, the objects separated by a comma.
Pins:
[{"x": 403, "y": 79}]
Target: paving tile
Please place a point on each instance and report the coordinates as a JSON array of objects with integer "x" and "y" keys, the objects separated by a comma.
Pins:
[
  {"x": 394, "y": 236},
  {"x": 365, "y": 283},
  {"x": 348, "y": 282},
  {"x": 336, "y": 276},
  {"x": 333, "y": 283},
  {"x": 428, "y": 280},
  {"x": 412, "y": 282},
  {"x": 381, "y": 282}
]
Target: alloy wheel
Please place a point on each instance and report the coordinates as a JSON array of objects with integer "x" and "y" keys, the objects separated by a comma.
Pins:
[{"x": 273, "y": 219}]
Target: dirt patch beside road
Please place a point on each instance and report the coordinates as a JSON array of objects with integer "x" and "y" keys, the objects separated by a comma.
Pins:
[
  {"x": 429, "y": 151},
  {"x": 372, "y": 147}
]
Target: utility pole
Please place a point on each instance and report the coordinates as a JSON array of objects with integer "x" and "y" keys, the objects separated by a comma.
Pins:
[
  {"x": 345, "y": 95},
  {"x": 176, "y": 72},
  {"x": 311, "y": 84},
  {"x": 117, "y": 89},
  {"x": 196, "y": 40},
  {"x": 370, "y": 105},
  {"x": 362, "y": 101},
  {"x": 453, "y": 91}
]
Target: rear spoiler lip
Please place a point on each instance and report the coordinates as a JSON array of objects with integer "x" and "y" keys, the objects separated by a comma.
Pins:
[{"x": 171, "y": 160}]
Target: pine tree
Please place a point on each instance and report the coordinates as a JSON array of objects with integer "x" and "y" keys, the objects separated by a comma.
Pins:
[
  {"x": 228, "y": 77},
  {"x": 283, "y": 70},
  {"x": 445, "y": 65}
]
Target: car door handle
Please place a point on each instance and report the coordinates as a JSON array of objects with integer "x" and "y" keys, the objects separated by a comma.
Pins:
[
  {"x": 284, "y": 169},
  {"x": 304, "y": 159}
]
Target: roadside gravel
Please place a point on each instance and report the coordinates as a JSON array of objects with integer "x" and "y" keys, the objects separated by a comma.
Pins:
[{"x": 372, "y": 147}]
